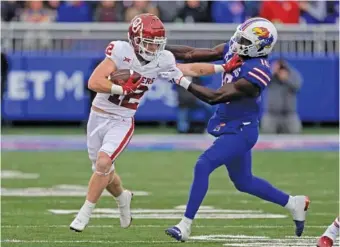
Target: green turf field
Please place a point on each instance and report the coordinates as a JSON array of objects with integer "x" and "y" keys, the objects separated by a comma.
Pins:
[{"x": 166, "y": 177}]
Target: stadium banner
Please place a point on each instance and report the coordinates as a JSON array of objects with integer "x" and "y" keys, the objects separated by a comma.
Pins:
[{"x": 53, "y": 87}]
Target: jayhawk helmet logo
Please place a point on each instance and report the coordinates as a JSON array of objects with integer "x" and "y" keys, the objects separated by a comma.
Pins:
[{"x": 266, "y": 39}]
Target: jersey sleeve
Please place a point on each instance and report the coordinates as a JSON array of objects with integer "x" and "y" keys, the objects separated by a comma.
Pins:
[
  {"x": 113, "y": 51},
  {"x": 227, "y": 47},
  {"x": 257, "y": 74},
  {"x": 169, "y": 68}
]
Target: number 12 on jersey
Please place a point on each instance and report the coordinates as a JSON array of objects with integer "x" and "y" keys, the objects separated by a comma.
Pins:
[{"x": 130, "y": 101}]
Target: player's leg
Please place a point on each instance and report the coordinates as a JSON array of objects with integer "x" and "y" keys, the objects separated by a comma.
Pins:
[
  {"x": 113, "y": 144},
  {"x": 224, "y": 148},
  {"x": 123, "y": 198},
  {"x": 103, "y": 174},
  {"x": 329, "y": 236},
  {"x": 96, "y": 127},
  {"x": 270, "y": 123},
  {"x": 102, "y": 130},
  {"x": 199, "y": 188},
  {"x": 115, "y": 187},
  {"x": 240, "y": 172}
]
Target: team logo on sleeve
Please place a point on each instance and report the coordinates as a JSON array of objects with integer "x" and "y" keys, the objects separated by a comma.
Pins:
[
  {"x": 265, "y": 38},
  {"x": 218, "y": 127}
]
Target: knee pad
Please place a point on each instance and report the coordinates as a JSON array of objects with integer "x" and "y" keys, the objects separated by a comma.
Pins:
[
  {"x": 104, "y": 165},
  {"x": 100, "y": 173}
]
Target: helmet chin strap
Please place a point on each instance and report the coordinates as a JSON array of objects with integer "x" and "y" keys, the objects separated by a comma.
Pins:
[
  {"x": 144, "y": 55},
  {"x": 147, "y": 57}
]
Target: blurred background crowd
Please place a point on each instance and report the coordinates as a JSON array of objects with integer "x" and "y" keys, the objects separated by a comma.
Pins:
[
  {"x": 290, "y": 12},
  {"x": 45, "y": 67}
]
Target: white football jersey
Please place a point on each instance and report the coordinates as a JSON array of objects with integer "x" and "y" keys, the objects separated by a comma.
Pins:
[{"x": 123, "y": 55}]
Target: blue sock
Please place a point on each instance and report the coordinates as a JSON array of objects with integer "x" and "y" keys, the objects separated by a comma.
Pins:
[
  {"x": 262, "y": 189},
  {"x": 199, "y": 186}
]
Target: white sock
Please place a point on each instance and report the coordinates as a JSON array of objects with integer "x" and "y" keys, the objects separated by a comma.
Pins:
[
  {"x": 186, "y": 222},
  {"x": 333, "y": 230},
  {"x": 291, "y": 203},
  {"x": 120, "y": 198},
  {"x": 87, "y": 208}
]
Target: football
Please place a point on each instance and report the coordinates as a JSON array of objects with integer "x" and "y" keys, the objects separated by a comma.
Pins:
[{"x": 123, "y": 75}]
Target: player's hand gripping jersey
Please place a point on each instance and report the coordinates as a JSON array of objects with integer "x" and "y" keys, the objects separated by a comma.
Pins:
[{"x": 123, "y": 55}]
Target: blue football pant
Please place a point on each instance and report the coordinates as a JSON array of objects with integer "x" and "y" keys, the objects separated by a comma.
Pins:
[{"x": 233, "y": 151}]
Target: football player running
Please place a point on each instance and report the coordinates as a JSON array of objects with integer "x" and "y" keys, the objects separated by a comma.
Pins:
[
  {"x": 111, "y": 121},
  {"x": 235, "y": 122}
]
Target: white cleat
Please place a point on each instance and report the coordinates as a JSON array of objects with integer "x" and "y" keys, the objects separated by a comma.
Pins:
[
  {"x": 124, "y": 207},
  {"x": 79, "y": 223},
  {"x": 179, "y": 232},
  {"x": 299, "y": 213}
]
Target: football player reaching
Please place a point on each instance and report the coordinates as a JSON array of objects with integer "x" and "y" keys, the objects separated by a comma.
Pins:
[{"x": 235, "y": 122}]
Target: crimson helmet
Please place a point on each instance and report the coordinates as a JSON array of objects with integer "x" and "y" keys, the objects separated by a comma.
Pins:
[{"x": 147, "y": 31}]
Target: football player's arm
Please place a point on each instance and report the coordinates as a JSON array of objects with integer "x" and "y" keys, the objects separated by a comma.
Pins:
[
  {"x": 228, "y": 92},
  {"x": 191, "y": 54},
  {"x": 99, "y": 81},
  {"x": 199, "y": 69}
]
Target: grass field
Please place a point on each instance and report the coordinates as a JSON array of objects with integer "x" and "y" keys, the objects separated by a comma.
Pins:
[{"x": 166, "y": 177}]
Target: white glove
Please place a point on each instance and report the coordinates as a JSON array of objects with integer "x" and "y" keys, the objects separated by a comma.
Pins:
[{"x": 172, "y": 75}]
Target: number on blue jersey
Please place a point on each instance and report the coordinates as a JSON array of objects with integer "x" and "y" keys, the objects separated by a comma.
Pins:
[{"x": 257, "y": 71}]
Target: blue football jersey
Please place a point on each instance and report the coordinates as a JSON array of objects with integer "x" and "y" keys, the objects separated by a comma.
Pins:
[{"x": 256, "y": 71}]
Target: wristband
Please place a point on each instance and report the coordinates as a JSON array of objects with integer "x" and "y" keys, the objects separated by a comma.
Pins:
[
  {"x": 184, "y": 82},
  {"x": 218, "y": 68},
  {"x": 115, "y": 89}
]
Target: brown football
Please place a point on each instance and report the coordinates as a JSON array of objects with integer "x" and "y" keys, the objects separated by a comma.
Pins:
[{"x": 123, "y": 75}]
